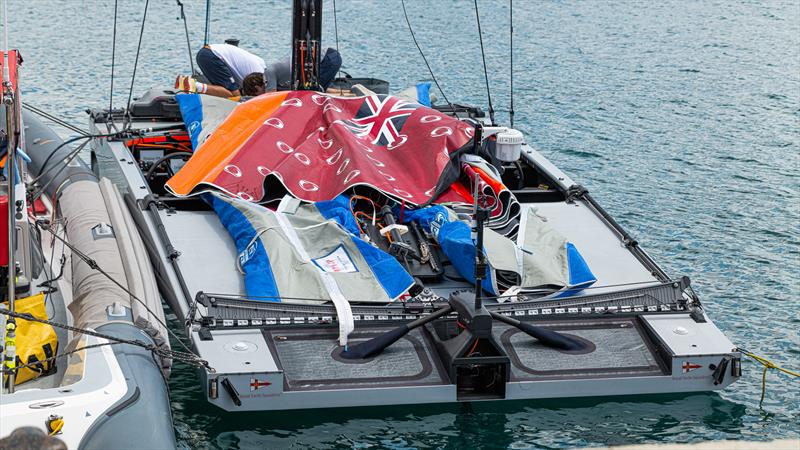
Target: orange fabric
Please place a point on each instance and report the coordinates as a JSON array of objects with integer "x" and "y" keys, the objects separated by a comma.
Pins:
[
  {"x": 495, "y": 184},
  {"x": 461, "y": 190},
  {"x": 210, "y": 159}
]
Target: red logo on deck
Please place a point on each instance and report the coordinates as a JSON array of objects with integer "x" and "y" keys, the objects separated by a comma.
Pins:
[
  {"x": 255, "y": 384},
  {"x": 688, "y": 366}
]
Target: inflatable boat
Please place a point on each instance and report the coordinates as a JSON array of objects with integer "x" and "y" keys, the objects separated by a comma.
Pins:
[{"x": 85, "y": 315}]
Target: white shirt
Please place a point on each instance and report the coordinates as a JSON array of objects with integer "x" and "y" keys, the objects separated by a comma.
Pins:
[{"x": 241, "y": 62}]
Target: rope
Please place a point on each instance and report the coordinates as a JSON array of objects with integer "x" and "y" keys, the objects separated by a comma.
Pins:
[
  {"x": 136, "y": 62},
  {"x": 67, "y": 160},
  {"x": 208, "y": 21},
  {"x": 767, "y": 365},
  {"x": 55, "y": 119},
  {"x": 411, "y": 30},
  {"x": 485, "y": 72},
  {"x": 511, "y": 53},
  {"x": 188, "y": 43},
  {"x": 113, "y": 60},
  {"x": 336, "y": 32},
  {"x": 189, "y": 357},
  {"x": 93, "y": 265}
]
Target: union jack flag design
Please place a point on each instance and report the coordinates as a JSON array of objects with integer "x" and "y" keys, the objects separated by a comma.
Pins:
[{"x": 381, "y": 118}]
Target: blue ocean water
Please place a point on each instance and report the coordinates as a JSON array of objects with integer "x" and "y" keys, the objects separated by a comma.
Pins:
[{"x": 681, "y": 117}]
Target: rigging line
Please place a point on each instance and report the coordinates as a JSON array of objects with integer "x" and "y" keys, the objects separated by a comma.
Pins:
[
  {"x": 67, "y": 161},
  {"x": 55, "y": 119},
  {"x": 188, "y": 43},
  {"x": 113, "y": 61},
  {"x": 485, "y": 72},
  {"x": 208, "y": 22},
  {"x": 93, "y": 265},
  {"x": 169, "y": 353},
  {"x": 336, "y": 32},
  {"x": 135, "y": 65},
  {"x": 46, "y": 169},
  {"x": 511, "y": 53},
  {"x": 403, "y": 2}
]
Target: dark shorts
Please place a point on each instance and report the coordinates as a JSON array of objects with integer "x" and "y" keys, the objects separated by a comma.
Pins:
[
  {"x": 328, "y": 67},
  {"x": 215, "y": 70}
]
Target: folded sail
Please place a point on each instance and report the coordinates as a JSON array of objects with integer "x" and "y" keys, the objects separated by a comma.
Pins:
[{"x": 316, "y": 146}]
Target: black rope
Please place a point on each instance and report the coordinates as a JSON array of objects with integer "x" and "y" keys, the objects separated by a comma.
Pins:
[
  {"x": 511, "y": 51},
  {"x": 424, "y": 58},
  {"x": 336, "y": 33},
  {"x": 188, "y": 43},
  {"x": 189, "y": 357},
  {"x": 42, "y": 171},
  {"x": 208, "y": 21},
  {"x": 485, "y": 72},
  {"x": 55, "y": 119},
  {"x": 61, "y": 167},
  {"x": 113, "y": 60},
  {"x": 93, "y": 265},
  {"x": 136, "y": 63}
]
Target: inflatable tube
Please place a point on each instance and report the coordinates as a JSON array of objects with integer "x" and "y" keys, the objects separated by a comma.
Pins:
[
  {"x": 97, "y": 226},
  {"x": 42, "y": 145}
]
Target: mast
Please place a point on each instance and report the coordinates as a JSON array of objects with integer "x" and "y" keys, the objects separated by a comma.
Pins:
[
  {"x": 10, "y": 102},
  {"x": 306, "y": 39}
]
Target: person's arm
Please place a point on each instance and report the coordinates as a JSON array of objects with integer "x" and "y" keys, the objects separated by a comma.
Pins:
[
  {"x": 189, "y": 84},
  {"x": 219, "y": 91}
]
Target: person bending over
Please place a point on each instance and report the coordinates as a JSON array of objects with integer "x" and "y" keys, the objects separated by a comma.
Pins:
[
  {"x": 275, "y": 77},
  {"x": 225, "y": 67}
]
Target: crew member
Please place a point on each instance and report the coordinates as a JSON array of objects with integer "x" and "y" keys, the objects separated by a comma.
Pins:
[
  {"x": 232, "y": 71},
  {"x": 225, "y": 67}
]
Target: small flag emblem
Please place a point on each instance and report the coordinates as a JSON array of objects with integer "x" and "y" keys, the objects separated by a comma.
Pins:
[
  {"x": 687, "y": 367},
  {"x": 255, "y": 384}
]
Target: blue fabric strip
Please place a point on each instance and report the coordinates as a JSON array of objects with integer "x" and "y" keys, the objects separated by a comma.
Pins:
[
  {"x": 390, "y": 274},
  {"x": 192, "y": 112},
  {"x": 259, "y": 281}
]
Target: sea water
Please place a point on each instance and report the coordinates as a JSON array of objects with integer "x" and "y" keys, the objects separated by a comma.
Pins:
[{"x": 682, "y": 118}]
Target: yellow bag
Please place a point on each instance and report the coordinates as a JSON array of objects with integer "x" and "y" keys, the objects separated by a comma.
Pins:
[{"x": 35, "y": 341}]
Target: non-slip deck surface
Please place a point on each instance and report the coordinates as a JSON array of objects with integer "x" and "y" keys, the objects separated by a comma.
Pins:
[
  {"x": 309, "y": 359},
  {"x": 617, "y": 348}
]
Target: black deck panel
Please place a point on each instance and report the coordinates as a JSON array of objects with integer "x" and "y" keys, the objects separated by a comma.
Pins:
[
  {"x": 310, "y": 361},
  {"x": 617, "y": 347}
]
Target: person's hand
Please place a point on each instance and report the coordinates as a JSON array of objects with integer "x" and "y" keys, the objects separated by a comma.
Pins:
[{"x": 186, "y": 84}]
